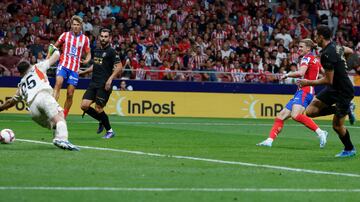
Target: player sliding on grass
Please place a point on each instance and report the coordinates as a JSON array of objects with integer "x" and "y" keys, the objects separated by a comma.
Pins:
[
  {"x": 35, "y": 90},
  {"x": 309, "y": 69}
]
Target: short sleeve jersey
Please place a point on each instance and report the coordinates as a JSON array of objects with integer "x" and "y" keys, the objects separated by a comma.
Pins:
[
  {"x": 312, "y": 72},
  {"x": 34, "y": 81},
  {"x": 103, "y": 63},
  {"x": 333, "y": 59}
]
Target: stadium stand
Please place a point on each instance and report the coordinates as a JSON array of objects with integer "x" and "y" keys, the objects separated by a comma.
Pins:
[{"x": 184, "y": 40}]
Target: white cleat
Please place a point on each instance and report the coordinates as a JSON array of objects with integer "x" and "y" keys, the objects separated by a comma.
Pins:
[
  {"x": 265, "y": 143},
  {"x": 323, "y": 138},
  {"x": 66, "y": 145}
]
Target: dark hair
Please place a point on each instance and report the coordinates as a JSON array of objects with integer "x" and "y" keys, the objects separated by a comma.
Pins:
[
  {"x": 105, "y": 30},
  {"x": 23, "y": 67},
  {"x": 324, "y": 31}
]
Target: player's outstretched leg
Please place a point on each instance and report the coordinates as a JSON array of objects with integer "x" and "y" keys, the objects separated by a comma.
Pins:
[
  {"x": 275, "y": 130},
  {"x": 61, "y": 134}
]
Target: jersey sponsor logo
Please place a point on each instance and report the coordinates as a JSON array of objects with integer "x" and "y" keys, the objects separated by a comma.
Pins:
[
  {"x": 73, "y": 78},
  {"x": 98, "y": 60},
  {"x": 305, "y": 60},
  {"x": 104, "y": 54}
]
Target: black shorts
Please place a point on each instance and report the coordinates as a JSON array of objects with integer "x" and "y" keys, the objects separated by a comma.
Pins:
[
  {"x": 331, "y": 96},
  {"x": 99, "y": 95}
]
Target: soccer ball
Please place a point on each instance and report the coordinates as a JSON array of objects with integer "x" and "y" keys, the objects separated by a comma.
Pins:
[{"x": 7, "y": 136}]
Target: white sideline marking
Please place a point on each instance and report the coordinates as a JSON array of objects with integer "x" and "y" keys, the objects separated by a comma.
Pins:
[
  {"x": 206, "y": 160},
  {"x": 177, "y": 189},
  {"x": 185, "y": 123}
]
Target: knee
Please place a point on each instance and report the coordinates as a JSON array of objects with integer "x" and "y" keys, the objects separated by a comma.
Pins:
[
  {"x": 337, "y": 128},
  {"x": 99, "y": 109},
  {"x": 84, "y": 106},
  {"x": 310, "y": 113}
]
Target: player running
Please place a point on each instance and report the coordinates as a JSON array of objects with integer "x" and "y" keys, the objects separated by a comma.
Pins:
[
  {"x": 336, "y": 97},
  {"x": 35, "y": 90},
  {"x": 309, "y": 69},
  {"x": 72, "y": 44},
  {"x": 99, "y": 90}
]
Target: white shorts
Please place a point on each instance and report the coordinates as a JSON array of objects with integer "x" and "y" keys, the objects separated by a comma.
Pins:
[{"x": 43, "y": 108}]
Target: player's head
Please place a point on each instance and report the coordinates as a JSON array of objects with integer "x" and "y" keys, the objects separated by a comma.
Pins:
[
  {"x": 104, "y": 37},
  {"x": 305, "y": 46},
  {"x": 76, "y": 24},
  {"x": 23, "y": 67},
  {"x": 323, "y": 34}
]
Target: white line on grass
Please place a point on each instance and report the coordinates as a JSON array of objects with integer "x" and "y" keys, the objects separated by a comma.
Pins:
[
  {"x": 208, "y": 160},
  {"x": 184, "y": 123},
  {"x": 129, "y": 189}
]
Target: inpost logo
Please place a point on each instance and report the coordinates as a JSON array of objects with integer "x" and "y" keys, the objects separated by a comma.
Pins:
[
  {"x": 126, "y": 106},
  {"x": 250, "y": 107},
  {"x": 256, "y": 109}
]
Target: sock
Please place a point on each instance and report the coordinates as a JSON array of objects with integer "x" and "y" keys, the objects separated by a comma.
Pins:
[
  {"x": 105, "y": 120},
  {"x": 318, "y": 131},
  {"x": 93, "y": 113},
  {"x": 308, "y": 122},
  {"x": 327, "y": 111},
  {"x": 346, "y": 140},
  {"x": 66, "y": 112},
  {"x": 61, "y": 131},
  {"x": 275, "y": 130}
]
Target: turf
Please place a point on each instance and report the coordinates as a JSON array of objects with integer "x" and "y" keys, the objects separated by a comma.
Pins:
[{"x": 226, "y": 142}]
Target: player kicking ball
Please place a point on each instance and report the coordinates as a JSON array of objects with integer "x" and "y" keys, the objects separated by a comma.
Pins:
[
  {"x": 35, "y": 90},
  {"x": 309, "y": 68}
]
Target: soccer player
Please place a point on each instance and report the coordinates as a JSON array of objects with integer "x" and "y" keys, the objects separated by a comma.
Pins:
[
  {"x": 72, "y": 43},
  {"x": 339, "y": 89},
  {"x": 99, "y": 90},
  {"x": 35, "y": 90},
  {"x": 309, "y": 69}
]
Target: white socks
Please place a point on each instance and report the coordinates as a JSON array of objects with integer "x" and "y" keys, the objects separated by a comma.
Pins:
[{"x": 61, "y": 131}]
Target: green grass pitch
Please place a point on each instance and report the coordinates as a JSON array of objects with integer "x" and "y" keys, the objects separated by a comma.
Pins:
[{"x": 176, "y": 159}]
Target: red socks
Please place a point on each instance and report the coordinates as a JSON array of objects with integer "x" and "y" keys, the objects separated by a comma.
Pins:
[
  {"x": 278, "y": 125},
  {"x": 66, "y": 112},
  {"x": 308, "y": 122}
]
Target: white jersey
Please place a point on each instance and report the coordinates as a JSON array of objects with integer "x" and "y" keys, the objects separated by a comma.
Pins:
[{"x": 34, "y": 81}]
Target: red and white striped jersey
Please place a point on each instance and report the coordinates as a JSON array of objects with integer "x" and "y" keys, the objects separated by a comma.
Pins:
[
  {"x": 197, "y": 60},
  {"x": 312, "y": 72},
  {"x": 72, "y": 47},
  {"x": 219, "y": 38}
]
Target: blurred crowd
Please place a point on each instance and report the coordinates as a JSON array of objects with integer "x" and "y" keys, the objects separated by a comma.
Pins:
[{"x": 186, "y": 40}]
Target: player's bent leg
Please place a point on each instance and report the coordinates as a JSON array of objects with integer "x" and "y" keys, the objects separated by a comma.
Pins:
[
  {"x": 61, "y": 134},
  {"x": 296, "y": 114},
  {"x": 277, "y": 127}
]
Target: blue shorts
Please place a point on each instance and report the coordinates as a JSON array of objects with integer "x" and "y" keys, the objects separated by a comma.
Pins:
[
  {"x": 69, "y": 76},
  {"x": 300, "y": 98}
]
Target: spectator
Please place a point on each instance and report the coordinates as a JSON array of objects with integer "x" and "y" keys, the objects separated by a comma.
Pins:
[
  {"x": 36, "y": 47},
  {"x": 284, "y": 36}
]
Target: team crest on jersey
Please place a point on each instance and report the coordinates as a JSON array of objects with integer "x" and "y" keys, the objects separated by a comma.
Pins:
[
  {"x": 305, "y": 60},
  {"x": 104, "y": 54}
]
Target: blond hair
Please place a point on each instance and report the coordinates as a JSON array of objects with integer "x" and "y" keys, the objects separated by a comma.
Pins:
[
  {"x": 308, "y": 43},
  {"x": 77, "y": 18}
]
